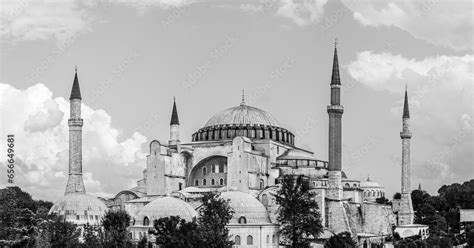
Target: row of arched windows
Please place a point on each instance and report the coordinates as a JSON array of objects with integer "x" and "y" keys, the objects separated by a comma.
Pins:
[
  {"x": 374, "y": 193},
  {"x": 213, "y": 182},
  {"x": 347, "y": 185},
  {"x": 238, "y": 242},
  {"x": 254, "y": 133}
]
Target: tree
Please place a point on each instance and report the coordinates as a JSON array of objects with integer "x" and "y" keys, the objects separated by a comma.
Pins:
[
  {"x": 397, "y": 196},
  {"x": 143, "y": 243},
  {"x": 93, "y": 236},
  {"x": 115, "y": 225},
  {"x": 214, "y": 215},
  {"x": 383, "y": 200},
  {"x": 60, "y": 233},
  {"x": 298, "y": 215},
  {"x": 341, "y": 240},
  {"x": 171, "y": 232}
]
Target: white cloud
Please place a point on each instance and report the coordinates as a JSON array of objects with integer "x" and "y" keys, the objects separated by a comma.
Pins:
[
  {"x": 440, "y": 96},
  {"x": 302, "y": 12},
  {"x": 444, "y": 23},
  {"x": 39, "y": 123}
]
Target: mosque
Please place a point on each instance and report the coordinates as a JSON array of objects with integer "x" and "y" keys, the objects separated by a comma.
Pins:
[{"x": 242, "y": 152}]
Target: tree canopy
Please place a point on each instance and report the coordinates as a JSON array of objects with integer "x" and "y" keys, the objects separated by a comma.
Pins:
[{"x": 298, "y": 215}]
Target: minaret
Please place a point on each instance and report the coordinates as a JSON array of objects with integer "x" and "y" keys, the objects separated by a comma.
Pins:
[
  {"x": 335, "y": 111},
  {"x": 75, "y": 184},
  {"x": 406, "y": 215},
  {"x": 174, "y": 126}
]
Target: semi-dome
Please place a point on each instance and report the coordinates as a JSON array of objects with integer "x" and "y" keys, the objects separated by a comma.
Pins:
[
  {"x": 246, "y": 121},
  {"x": 80, "y": 208},
  {"x": 165, "y": 207},
  {"x": 247, "y": 209}
]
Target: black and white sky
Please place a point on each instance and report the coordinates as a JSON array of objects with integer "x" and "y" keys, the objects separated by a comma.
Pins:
[{"x": 133, "y": 57}]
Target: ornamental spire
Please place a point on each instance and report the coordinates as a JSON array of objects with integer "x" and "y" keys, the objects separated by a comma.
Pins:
[
  {"x": 76, "y": 91},
  {"x": 174, "y": 114},
  {"x": 243, "y": 98},
  {"x": 335, "y": 79},
  {"x": 406, "y": 111}
]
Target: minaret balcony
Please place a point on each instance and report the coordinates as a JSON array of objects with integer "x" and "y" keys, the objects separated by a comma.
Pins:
[
  {"x": 335, "y": 109},
  {"x": 75, "y": 122},
  {"x": 405, "y": 135}
]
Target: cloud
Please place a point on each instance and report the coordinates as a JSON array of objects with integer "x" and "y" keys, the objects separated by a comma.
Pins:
[
  {"x": 440, "y": 96},
  {"x": 444, "y": 23},
  {"x": 39, "y": 122},
  {"x": 25, "y": 20},
  {"x": 302, "y": 12}
]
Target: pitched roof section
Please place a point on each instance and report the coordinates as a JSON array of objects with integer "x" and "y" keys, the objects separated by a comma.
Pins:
[
  {"x": 76, "y": 91},
  {"x": 335, "y": 79},
  {"x": 174, "y": 115},
  {"x": 406, "y": 111}
]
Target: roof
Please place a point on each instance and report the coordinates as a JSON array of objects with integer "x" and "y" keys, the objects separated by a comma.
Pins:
[
  {"x": 296, "y": 154},
  {"x": 467, "y": 215},
  {"x": 370, "y": 184},
  {"x": 76, "y": 91},
  {"x": 335, "y": 78},
  {"x": 243, "y": 115},
  {"x": 85, "y": 206},
  {"x": 246, "y": 206},
  {"x": 174, "y": 115},
  {"x": 406, "y": 111},
  {"x": 165, "y": 207}
]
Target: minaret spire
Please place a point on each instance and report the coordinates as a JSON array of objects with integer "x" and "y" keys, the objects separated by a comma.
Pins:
[
  {"x": 335, "y": 78},
  {"x": 406, "y": 111},
  {"x": 75, "y": 183},
  {"x": 174, "y": 114},
  {"x": 174, "y": 126}
]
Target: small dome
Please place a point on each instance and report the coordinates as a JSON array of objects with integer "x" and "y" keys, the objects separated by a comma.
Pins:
[
  {"x": 246, "y": 206},
  {"x": 243, "y": 114},
  {"x": 80, "y": 208},
  {"x": 166, "y": 207},
  {"x": 370, "y": 184}
]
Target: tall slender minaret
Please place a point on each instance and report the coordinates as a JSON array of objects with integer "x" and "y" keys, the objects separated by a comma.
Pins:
[
  {"x": 174, "y": 126},
  {"x": 75, "y": 184},
  {"x": 335, "y": 111},
  {"x": 406, "y": 215}
]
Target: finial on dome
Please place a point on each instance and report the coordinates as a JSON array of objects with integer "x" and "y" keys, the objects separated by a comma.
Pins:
[
  {"x": 368, "y": 177},
  {"x": 243, "y": 98}
]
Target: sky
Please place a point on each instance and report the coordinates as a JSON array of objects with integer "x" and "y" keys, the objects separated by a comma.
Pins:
[{"x": 134, "y": 56}]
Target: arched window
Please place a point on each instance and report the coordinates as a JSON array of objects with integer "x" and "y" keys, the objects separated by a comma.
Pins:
[
  {"x": 196, "y": 182},
  {"x": 237, "y": 240},
  {"x": 242, "y": 220},
  {"x": 268, "y": 239},
  {"x": 262, "y": 184},
  {"x": 213, "y": 168},
  {"x": 204, "y": 170},
  {"x": 146, "y": 221},
  {"x": 274, "y": 239},
  {"x": 213, "y": 181},
  {"x": 204, "y": 182},
  {"x": 180, "y": 186},
  {"x": 249, "y": 240},
  {"x": 355, "y": 185},
  {"x": 221, "y": 181},
  {"x": 265, "y": 200},
  {"x": 347, "y": 185}
]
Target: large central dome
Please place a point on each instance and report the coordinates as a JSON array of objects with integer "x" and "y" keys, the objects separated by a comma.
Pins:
[
  {"x": 243, "y": 115},
  {"x": 246, "y": 121}
]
